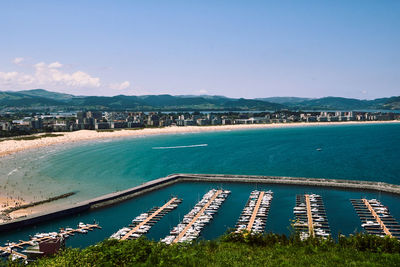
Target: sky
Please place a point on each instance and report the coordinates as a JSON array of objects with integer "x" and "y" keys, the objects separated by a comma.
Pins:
[{"x": 248, "y": 48}]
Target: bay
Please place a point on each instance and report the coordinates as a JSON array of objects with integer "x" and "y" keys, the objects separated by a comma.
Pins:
[{"x": 362, "y": 152}]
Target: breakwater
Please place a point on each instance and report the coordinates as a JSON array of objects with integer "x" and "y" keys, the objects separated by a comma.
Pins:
[
  {"x": 119, "y": 196},
  {"x": 37, "y": 203}
]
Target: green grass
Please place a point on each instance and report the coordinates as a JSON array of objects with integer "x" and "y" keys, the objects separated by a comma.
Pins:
[{"x": 236, "y": 250}]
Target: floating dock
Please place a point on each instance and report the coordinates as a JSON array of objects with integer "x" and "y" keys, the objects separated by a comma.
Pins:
[
  {"x": 193, "y": 222},
  {"x": 9, "y": 249},
  {"x": 376, "y": 218},
  {"x": 143, "y": 223},
  {"x": 311, "y": 219},
  {"x": 255, "y": 212},
  {"x": 16, "y": 255}
]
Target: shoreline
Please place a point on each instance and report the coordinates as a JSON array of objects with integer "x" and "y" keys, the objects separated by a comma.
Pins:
[{"x": 9, "y": 147}]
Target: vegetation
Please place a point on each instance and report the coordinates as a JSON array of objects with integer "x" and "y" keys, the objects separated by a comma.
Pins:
[
  {"x": 44, "y": 100},
  {"x": 236, "y": 250},
  {"x": 16, "y": 132},
  {"x": 29, "y": 136}
]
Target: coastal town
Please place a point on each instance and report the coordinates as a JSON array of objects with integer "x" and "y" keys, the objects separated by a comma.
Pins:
[{"x": 14, "y": 124}]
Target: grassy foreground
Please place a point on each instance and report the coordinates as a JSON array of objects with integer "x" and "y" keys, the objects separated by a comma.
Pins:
[{"x": 236, "y": 250}]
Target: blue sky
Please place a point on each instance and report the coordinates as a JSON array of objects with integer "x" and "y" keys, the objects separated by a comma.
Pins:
[{"x": 234, "y": 48}]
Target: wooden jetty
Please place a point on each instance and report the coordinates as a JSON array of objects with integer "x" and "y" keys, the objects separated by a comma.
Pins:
[
  {"x": 183, "y": 232},
  {"x": 376, "y": 218},
  {"x": 194, "y": 221},
  {"x": 253, "y": 216},
  {"x": 82, "y": 228},
  {"x": 152, "y": 217},
  {"x": 309, "y": 216},
  {"x": 311, "y": 219},
  {"x": 13, "y": 252},
  {"x": 255, "y": 212}
]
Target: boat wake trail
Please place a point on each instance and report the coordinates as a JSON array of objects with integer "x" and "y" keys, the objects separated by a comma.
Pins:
[
  {"x": 11, "y": 172},
  {"x": 173, "y": 147}
]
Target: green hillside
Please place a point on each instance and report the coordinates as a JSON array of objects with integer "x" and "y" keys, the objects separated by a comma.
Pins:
[
  {"x": 284, "y": 100},
  {"x": 19, "y": 100},
  {"x": 341, "y": 103},
  {"x": 47, "y": 94},
  {"x": 236, "y": 250},
  {"x": 42, "y": 99}
]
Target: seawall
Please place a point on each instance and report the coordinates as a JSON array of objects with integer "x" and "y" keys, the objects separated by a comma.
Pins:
[
  {"x": 119, "y": 196},
  {"x": 318, "y": 182}
]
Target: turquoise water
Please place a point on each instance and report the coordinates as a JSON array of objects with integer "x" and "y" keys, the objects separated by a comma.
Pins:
[
  {"x": 364, "y": 152},
  {"x": 348, "y": 152}
]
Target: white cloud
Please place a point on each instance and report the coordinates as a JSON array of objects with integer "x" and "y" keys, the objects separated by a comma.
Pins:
[
  {"x": 18, "y": 60},
  {"x": 8, "y": 76},
  {"x": 54, "y": 76},
  {"x": 120, "y": 86},
  {"x": 55, "y": 65},
  {"x": 203, "y": 91},
  {"x": 51, "y": 74}
]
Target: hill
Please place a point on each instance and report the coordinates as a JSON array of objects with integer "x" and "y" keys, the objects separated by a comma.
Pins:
[
  {"x": 39, "y": 99},
  {"x": 45, "y": 99},
  {"x": 21, "y": 100},
  {"x": 47, "y": 94},
  {"x": 236, "y": 250},
  {"x": 332, "y": 103},
  {"x": 341, "y": 103},
  {"x": 284, "y": 100}
]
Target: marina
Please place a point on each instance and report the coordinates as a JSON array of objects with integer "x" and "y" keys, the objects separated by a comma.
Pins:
[
  {"x": 157, "y": 184},
  {"x": 202, "y": 213},
  {"x": 310, "y": 217},
  {"x": 39, "y": 238},
  {"x": 343, "y": 220},
  {"x": 376, "y": 218},
  {"x": 255, "y": 213},
  {"x": 143, "y": 223}
]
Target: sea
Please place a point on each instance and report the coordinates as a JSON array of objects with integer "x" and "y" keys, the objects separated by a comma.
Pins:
[{"x": 362, "y": 152}]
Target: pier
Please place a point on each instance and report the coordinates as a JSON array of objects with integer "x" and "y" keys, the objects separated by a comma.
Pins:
[
  {"x": 376, "y": 218},
  {"x": 179, "y": 237},
  {"x": 173, "y": 200},
  {"x": 142, "y": 223},
  {"x": 253, "y": 216},
  {"x": 255, "y": 212},
  {"x": 202, "y": 213},
  {"x": 14, "y": 253},
  {"x": 309, "y": 216},
  {"x": 311, "y": 219},
  {"x": 38, "y": 238},
  {"x": 383, "y": 226}
]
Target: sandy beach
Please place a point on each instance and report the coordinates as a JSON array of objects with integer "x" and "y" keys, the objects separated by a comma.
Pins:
[
  {"x": 8, "y": 147},
  {"x": 7, "y": 202}
]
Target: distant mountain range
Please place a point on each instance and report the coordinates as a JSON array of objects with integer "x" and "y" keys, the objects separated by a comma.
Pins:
[{"x": 39, "y": 99}]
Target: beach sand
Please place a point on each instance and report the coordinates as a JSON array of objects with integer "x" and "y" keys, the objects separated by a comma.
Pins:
[
  {"x": 6, "y": 203},
  {"x": 13, "y": 146}
]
